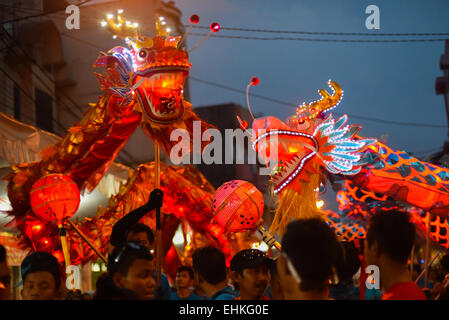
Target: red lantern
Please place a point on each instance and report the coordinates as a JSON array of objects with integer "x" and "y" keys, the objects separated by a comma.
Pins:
[
  {"x": 55, "y": 197},
  {"x": 237, "y": 206}
]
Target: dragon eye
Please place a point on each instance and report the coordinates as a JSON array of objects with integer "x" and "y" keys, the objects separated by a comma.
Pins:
[
  {"x": 142, "y": 54},
  {"x": 303, "y": 125}
]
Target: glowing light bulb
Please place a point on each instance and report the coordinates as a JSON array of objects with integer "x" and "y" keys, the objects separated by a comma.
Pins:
[
  {"x": 161, "y": 18},
  {"x": 319, "y": 204},
  {"x": 128, "y": 23},
  {"x": 95, "y": 267},
  {"x": 168, "y": 29},
  {"x": 163, "y": 23},
  {"x": 103, "y": 23},
  {"x": 135, "y": 24},
  {"x": 114, "y": 37},
  {"x": 178, "y": 239},
  {"x": 120, "y": 11},
  {"x": 119, "y": 25},
  {"x": 109, "y": 16}
]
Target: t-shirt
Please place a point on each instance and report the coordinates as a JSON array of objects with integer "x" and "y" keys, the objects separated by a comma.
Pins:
[
  {"x": 192, "y": 296},
  {"x": 404, "y": 291},
  {"x": 166, "y": 292},
  {"x": 224, "y": 294}
]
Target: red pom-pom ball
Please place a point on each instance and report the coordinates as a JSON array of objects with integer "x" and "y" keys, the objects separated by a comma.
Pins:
[
  {"x": 194, "y": 19},
  {"x": 255, "y": 81},
  {"x": 54, "y": 197},
  {"x": 214, "y": 27}
]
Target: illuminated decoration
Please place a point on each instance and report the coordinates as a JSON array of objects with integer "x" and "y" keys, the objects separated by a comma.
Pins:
[
  {"x": 237, "y": 206},
  {"x": 143, "y": 85},
  {"x": 311, "y": 145},
  {"x": 307, "y": 111},
  {"x": 307, "y": 143},
  {"x": 54, "y": 198},
  {"x": 356, "y": 207},
  {"x": 151, "y": 72}
]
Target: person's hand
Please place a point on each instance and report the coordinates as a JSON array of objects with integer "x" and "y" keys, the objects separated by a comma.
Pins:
[{"x": 155, "y": 199}]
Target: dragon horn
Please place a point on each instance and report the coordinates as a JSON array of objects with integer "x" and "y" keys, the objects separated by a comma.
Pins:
[
  {"x": 123, "y": 29},
  {"x": 327, "y": 101}
]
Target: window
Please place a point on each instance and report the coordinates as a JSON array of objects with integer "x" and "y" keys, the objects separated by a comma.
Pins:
[
  {"x": 44, "y": 110},
  {"x": 17, "y": 103}
]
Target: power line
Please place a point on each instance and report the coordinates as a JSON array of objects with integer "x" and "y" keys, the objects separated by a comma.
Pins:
[
  {"x": 317, "y": 40},
  {"x": 326, "y": 33},
  {"x": 280, "y": 102},
  {"x": 44, "y": 72},
  {"x": 337, "y": 113},
  {"x": 243, "y": 92}
]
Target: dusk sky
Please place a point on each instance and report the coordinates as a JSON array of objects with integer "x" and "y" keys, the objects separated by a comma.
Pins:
[{"x": 389, "y": 81}]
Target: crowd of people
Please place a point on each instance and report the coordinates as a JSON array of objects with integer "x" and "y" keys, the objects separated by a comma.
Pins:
[{"x": 313, "y": 265}]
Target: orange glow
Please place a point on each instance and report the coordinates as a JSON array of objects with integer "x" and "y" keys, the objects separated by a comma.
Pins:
[
  {"x": 319, "y": 204},
  {"x": 293, "y": 149},
  {"x": 36, "y": 227}
]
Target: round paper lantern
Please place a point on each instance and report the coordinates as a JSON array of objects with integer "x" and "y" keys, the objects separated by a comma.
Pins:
[
  {"x": 54, "y": 197},
  {"x": 237, "y": 206}
]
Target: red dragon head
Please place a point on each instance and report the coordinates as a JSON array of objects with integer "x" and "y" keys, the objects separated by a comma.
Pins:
[
  {"x": 302, "y": 147},
  {"x": 152, "y": 72}
]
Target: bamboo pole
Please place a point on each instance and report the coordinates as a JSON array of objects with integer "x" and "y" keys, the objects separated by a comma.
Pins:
[
  {"x": 102, "y": 257},
  {"x": 157, "y": 181},
  {"x": 65, "y": 248}
]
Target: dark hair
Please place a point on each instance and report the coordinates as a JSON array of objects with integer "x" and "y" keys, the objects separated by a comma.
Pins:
[
  {"x": 210, "y": 264},
  {"x": 272, "y": 266},
  {"x": 122, "y": 257},
  {"x": 41, "y": 261},
  {"x": 348, "y": 262},
  {"x": 106, "y": 290},
  {"x": 2, "y": 253},
  {"x": 140, "y": 227},
  {"x": 394, "y": 233},
  {"x": 312, "y": 248},
  {"x": 188, "y": 269},
  {"x": 445, "y": 263}
]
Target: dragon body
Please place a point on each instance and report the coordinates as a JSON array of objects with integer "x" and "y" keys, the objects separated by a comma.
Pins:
[{"x": 143, "y": 85}]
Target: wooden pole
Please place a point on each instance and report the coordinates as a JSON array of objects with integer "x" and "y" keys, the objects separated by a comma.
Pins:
[
  {"x": 102, "y": 257},
  {"x": 157, "y": 180},
  {"x": 65, "y": 248},
  {"x": 268, "y": 238}
]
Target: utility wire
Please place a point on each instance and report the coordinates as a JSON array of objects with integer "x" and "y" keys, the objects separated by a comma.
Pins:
[
  {"x": 416, "y": 34},
  {"x": 337, "y": 113},
  {"x": 316, "y": 39},
  {"x": 280, "y": 102},
  {"x": 326, "y": 33}
]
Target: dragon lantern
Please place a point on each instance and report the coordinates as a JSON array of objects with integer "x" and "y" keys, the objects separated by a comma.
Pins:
[
  {"x": 143, "y": 84},
  {"x": 311, "y": 145}
]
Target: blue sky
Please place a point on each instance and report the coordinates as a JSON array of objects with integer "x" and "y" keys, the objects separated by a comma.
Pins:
[{"x": 393, "y": 81}]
